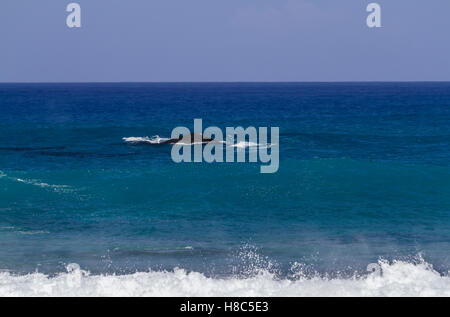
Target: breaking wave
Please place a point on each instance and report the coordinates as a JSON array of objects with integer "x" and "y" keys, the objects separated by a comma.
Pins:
[{"x": 395, "y": 279}]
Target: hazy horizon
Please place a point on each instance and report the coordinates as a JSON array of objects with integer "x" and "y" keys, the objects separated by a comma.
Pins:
[{"x": 231, "y": 82}]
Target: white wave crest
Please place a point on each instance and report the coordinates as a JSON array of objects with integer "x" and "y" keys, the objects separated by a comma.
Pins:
[
  {"x": 43, "y": 185},
  {"x": 34, "y": 182},
  {"x": 32, "y": 233},
  {"x": 398, "y": 279}
]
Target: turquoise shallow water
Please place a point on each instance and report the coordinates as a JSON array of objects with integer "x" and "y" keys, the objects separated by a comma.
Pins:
[{"x": 364, "y": 174}]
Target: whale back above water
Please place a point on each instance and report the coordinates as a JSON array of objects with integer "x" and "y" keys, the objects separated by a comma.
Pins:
[{"x": 189, "y": 138}]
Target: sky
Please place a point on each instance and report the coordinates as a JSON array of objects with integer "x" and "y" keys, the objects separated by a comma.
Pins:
[{"x": 224, "y": 40}]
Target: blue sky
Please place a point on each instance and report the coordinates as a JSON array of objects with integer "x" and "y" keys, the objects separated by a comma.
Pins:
[{"x": 224, "y": 40}]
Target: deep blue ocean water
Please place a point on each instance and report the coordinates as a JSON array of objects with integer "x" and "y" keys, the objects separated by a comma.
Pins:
[{"x": 364, "y": 174}]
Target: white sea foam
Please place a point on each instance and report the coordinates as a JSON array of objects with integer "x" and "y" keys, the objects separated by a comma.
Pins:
[
  {"x": 153, "y": 140},
  {"x": 32, "y": 233},
  {"x": 244, "y": 144},
  {"x": 7, "y": 228},
  {"x": 23, "y": 231},
  {"x": 43, "y": 185},
  {"x": 34, "y": 182},
  {"x": 250, "y": 145},
  {"x": 398, "y": 279}
]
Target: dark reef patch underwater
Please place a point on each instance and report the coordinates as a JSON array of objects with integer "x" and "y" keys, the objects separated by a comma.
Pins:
[{"x": 364, "y": 177}]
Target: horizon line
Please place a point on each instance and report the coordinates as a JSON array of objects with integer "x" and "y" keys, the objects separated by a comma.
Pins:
[{"x": 224, "y": 82}]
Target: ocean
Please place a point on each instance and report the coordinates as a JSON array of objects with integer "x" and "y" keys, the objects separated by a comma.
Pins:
[{"x": 360, "y": 204}]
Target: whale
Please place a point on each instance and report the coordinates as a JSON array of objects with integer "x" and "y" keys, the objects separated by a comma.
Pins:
[{"x": 189, "y": 138}]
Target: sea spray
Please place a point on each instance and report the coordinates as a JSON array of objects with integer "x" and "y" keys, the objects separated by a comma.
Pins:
[{"x": 399, "y": 279}]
